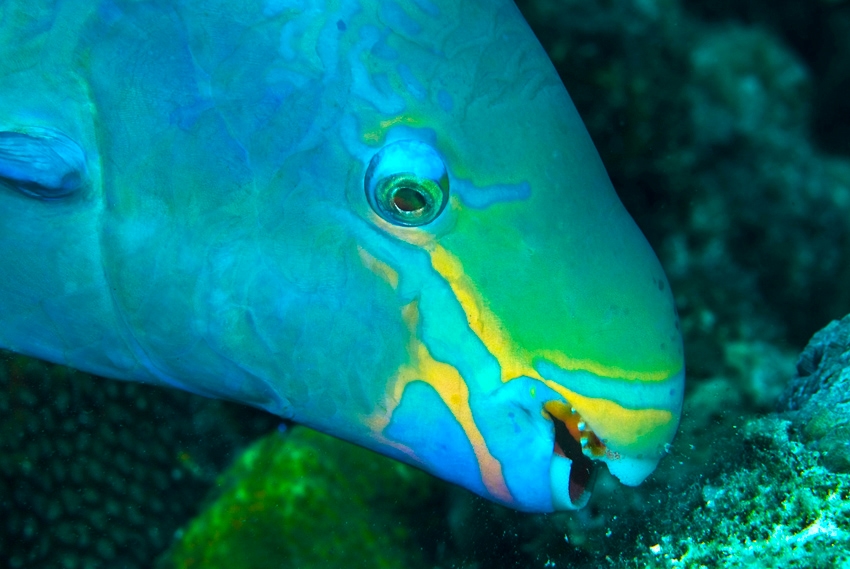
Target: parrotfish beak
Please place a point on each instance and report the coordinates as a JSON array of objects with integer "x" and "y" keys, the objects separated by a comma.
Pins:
[
  {"x": 593, "y": 346},
  {"x": 630, "y": 441},
  {"x": 573, "y": 471}
]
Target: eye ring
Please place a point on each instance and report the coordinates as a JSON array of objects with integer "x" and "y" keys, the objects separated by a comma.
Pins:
[{"x": 407, "y": 184}]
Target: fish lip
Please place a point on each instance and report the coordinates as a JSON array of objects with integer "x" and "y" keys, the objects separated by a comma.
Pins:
[
  {"x": 572, "y": 473},
  {"x": 568, "y": 491}
]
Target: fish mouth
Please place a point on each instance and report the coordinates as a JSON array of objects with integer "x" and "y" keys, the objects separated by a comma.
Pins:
[{"x": 573, "y": 470}]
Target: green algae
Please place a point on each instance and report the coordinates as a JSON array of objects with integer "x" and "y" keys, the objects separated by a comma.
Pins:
[{"x": 308, "y": 500}]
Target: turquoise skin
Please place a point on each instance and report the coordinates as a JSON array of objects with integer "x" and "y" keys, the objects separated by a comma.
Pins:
[{"x": 381, "y": 219}]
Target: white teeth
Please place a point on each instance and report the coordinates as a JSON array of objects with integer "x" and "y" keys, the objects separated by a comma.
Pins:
[
  {"x": 584, "y": 442},
  {"x": 582, "y": 425}
]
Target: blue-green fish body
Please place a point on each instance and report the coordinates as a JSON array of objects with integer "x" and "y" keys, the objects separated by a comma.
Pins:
[{"x": 381, "y": 219}]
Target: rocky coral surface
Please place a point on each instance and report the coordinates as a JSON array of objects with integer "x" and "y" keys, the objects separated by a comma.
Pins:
[
  {"x": 784, "y": 497},
  {"x": 818, "y": 397},
  {"x": 777, "y": 506}
]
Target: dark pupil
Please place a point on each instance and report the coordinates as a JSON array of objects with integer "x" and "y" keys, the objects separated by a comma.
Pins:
[{"x": 408, "y": 199}]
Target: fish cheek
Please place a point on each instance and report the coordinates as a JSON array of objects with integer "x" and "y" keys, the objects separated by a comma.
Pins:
[{"x": 423, "y": 423}]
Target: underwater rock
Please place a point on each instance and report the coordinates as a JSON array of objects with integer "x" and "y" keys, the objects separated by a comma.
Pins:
[
  {"x": 97, "y": 473},
  {"x": 306, "y": 500},
  {"x": 776, "y": 507},
  {"x": 818, "y": 397},
  {"x": 783, "y": 499}
]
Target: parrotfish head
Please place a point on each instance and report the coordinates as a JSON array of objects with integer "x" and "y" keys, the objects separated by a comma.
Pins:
[
  {"x": 540, "y": 331},
  {"x": 384, "y": 220}
]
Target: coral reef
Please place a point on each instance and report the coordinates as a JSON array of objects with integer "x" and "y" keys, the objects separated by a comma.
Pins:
[
  {"x": 818, "y": 397},
  {"x": 96, "y": 473},
  {"x": 307, "y": 500}
]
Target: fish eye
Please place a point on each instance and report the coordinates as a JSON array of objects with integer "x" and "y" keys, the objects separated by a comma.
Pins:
[{"x": 407, "y": 184}]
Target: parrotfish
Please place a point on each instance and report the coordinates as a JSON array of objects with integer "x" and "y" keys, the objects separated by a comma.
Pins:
[{"x": 382, "y": 219}]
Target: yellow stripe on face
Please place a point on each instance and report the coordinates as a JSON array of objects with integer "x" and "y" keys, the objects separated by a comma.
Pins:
[
  {"x": 378, "y": 267},
  {"x": 617, "y": 426},
  {"x": 452, "y": 389},
  {"x": 377, "y": 134},
  {"x": 513, "y": 360},
  {"x": 573, "y": 364}
]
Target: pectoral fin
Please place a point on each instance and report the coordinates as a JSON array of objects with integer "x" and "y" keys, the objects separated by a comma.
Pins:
[{"x": 41, "y": 163}]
